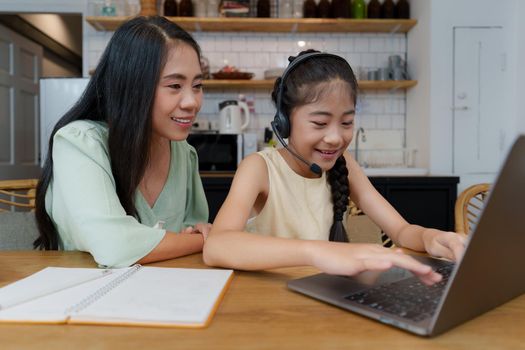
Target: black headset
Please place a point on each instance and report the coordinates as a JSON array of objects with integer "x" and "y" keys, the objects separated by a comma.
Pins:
[{"x": 281, "y": 121}]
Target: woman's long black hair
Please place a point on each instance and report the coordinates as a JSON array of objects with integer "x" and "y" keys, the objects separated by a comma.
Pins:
[
  {"x": 121, "y": 93},
  {"x": 304, "y": 85}
]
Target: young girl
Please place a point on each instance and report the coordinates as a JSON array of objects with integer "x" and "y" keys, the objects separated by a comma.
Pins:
[
  {"x": 299, "y": 194},
  {"x": 120, "y": 180}
]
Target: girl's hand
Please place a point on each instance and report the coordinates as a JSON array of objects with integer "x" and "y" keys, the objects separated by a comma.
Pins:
[
  {"x": 449, "y": 245},
  {"x": 351, "y": 259},
  {"x": 203, "y": 228}
]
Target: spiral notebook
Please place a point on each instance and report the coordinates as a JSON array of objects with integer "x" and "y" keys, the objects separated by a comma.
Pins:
[{"x": 135, "y": 296}]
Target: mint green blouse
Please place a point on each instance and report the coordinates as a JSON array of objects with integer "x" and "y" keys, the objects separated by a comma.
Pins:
[{"x": 83, "y": 204}]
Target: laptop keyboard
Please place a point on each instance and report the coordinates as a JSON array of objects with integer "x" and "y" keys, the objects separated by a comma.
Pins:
[{"x": 408, "y": 298}]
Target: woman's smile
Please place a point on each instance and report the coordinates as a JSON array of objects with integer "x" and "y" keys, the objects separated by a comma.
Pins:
[{"x": 183, "y": 122}]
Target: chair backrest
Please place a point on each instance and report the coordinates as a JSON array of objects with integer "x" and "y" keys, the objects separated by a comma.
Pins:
[
  {"x": 361, "y": 229},
  {"x": 469, "y": 205},
  {"x": 17, "y": 195}
]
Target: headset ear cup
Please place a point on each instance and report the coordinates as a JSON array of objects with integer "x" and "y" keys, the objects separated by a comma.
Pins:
[{"x": 282, "y": 124}]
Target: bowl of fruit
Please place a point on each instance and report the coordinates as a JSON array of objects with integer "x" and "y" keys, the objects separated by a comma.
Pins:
[{"x": 230, "y": 72}]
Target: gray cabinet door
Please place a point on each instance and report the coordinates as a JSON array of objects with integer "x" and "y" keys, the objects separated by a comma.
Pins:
[{"x": 20, "y": 67}]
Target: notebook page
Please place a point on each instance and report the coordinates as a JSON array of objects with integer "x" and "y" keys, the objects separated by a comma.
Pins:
[
  {"x": 52, "y": 307},
  {"x": 156, "y": 295}
]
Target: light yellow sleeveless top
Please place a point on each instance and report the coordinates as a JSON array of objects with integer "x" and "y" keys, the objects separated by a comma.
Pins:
[{"x": 296, "y": 207}]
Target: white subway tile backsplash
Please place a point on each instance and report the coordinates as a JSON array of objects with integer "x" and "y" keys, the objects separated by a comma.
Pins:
[
  {"x": 369, "y": 60},
  {"x": 223, "y": 43},
  {"x": 253, "y": 44},
  {"x": 377, "y": 44},
  {"x": 361, "y": 44},
  {"x": 262, "y": 60},
  {"x": 398, "y": 121},
  {"x": 331, "y": 45},
  {"x": 346, "y": 44},
  {"x": 384, "y": 121},
  {"x": 278, "y": 60},
  {"x": 366, "y": 121},
  {"x": 238, "y": 44},
  {"x": 269, "y": 44}
]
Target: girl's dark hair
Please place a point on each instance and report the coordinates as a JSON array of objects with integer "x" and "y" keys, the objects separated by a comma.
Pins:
[
  {"x": 304, "y": 85},
  {"x": 121, "y": 93}
]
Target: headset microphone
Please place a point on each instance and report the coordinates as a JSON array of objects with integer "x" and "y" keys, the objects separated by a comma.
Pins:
[{"x": 313, "y": 167}]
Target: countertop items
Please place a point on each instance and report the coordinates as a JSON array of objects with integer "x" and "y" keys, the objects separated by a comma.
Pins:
[{"x": 231, "y": 72}]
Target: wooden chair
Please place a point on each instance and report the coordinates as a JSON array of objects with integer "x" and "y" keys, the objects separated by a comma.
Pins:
[
  {"x": 469, "y": 205},
  {"x": 17, "y": 195},
  {"x": 361, "y": 229}
]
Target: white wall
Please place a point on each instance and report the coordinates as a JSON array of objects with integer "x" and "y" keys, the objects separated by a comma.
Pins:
[
  {"x": 418, "y": 98},
  {"x": 431, "y": 57}
]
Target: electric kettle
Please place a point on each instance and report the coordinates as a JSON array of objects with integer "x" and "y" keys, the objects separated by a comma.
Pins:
[{"x": 230, "y": 117}]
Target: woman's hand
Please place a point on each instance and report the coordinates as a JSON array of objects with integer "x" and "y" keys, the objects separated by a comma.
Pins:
[
  {"x": 449, "y": 245},
  {"x": 202, "y": 228},
  {"x": 351, "y": 259}
]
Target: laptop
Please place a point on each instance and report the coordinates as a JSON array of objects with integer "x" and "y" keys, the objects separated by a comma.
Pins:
[{"x": 489, "y": 274}]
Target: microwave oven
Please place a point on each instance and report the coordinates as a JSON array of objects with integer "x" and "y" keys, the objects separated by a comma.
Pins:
[{"x": 222, "y": 152}]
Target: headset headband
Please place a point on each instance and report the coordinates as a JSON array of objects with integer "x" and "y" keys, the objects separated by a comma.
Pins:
[{"x": 293, "y": 64}]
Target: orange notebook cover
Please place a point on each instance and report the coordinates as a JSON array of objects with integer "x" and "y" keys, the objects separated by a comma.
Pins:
[{"x": 134, "y": 296}]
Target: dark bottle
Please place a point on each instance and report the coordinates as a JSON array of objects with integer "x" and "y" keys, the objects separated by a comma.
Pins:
[
  {"x": 186, "y": 8},
  {"x": 387, "y": 9},
  {"x": 309, "y": 9},
  {"x": 170, "y": 8},
  {"x": 402, "y": 9},
  {"x": 341, "y": 8},
  {"x": 324, "y": 9},
  {"x": 263, "y": 8},
  {"x": 374, "y": 9}
]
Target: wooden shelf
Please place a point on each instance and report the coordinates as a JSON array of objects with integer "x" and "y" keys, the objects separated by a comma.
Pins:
[
  {"x": 300, "y": 25},
  {"x": 268, "y": 84}
]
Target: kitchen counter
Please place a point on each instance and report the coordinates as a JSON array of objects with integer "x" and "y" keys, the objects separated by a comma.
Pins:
[
  {"x": 368, "y": 171},
  {"x": 396, "y": 171}
]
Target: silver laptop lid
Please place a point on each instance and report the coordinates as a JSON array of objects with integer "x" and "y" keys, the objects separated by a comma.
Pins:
[{"x": 491, "y": 271}]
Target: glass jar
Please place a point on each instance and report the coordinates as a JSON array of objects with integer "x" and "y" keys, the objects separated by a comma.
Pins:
[
  {"x": 297, "y": 8},
  {"x": 212, "y": 8},
  {"x": 199, "y": 8},
  {"x": 285, "y": 8}
]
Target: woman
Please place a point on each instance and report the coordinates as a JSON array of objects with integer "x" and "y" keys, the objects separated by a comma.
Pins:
[{"x": 120, "y": 181}]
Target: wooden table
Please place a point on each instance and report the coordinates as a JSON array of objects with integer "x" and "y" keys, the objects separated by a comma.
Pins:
[{"x": 257, "y": 312}]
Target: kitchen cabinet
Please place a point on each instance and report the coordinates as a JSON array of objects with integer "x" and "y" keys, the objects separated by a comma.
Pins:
[
  {"x": 216, "y": 187},
  {"x": 427, "y": 200},
  {"x": 424, "y": 200},
  {"x": 272, "y": 25}
]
